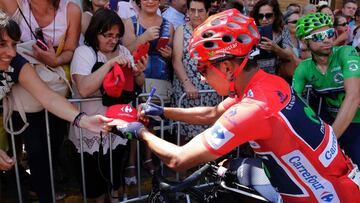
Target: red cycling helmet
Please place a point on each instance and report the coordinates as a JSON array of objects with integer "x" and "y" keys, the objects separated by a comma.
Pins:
[{"x": 223, "y": 34}]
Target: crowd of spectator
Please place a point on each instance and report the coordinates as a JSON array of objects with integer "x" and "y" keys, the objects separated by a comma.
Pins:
[{"x": 94, "y": 39}]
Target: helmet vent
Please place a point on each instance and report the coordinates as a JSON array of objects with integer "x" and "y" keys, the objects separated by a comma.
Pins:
[
  {"x": 227, "y": 38},
  {"x": 208, "y": 34},
  {"x": 239, "y": 19},
  {"x": 253, "y": 31},
  {"x": 215, "y": 22},
  {"x": 210, "y": 45},
  {"x": 233, "y": 25},
  {"x": 244, "y": 39}
]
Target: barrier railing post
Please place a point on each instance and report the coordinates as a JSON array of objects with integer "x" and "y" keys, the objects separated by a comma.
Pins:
[
  {"x": 50, "y": 155},
  {"x": 18, "y": 184}
]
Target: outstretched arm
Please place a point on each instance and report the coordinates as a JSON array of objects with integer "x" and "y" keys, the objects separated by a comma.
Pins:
[
  {"x": 56, "y": 103},
  {"x": 178, "y": 158}
]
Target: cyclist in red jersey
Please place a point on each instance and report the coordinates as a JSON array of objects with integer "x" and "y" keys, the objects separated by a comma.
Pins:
[{"x": 299, "y": 150}]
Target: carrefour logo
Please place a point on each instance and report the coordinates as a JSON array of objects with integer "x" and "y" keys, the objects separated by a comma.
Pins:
[
  {"x": 127, "y": 109},
  {"x": 330, "y": 151},
  {"x": 327, "y": 196},
  {"x": 218, "y": 135},
  {"x": 322, "y": 189}
]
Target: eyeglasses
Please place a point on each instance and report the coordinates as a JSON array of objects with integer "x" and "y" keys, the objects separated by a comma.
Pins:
[
  {"x": 292, "y": 22},
  {"x": 320, "y": 36},
  {"x": 112, "y": 36},
  {"x": 342, "y": 24},
  {"x": 266, "y": 15}
]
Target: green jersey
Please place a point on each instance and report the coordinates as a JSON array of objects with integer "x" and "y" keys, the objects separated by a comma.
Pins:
[{"x": 344, "y": 63}]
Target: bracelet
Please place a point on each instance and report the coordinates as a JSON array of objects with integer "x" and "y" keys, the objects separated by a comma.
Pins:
[{"x": 77, "y": 119}]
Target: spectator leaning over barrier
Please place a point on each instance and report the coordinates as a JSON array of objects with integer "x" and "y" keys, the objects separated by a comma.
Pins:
[
  {"x": 175, "y": 14},
  {"x": 15, "y": 69},
  {"x": 59, "y": 23},
  {"x": 267, "y": 13},
  {"x": 334, "y": 74},
  {"x": 187, "y": 79},
  {"x": 300, "y": 152},
  {"x": 90, "y": 64}
]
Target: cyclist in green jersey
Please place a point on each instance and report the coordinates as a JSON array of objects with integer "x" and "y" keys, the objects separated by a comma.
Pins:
[{"x": 334, "y": 73}]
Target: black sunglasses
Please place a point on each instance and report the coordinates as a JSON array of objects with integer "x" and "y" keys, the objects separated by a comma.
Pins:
[
  {"x": 342, "y": 24},
  {"x": 266, "y": 15},
  {"x": 292, "y": 22}
]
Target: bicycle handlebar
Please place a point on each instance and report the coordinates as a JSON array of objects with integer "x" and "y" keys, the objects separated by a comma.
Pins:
[{"x": 187, "y": 182}]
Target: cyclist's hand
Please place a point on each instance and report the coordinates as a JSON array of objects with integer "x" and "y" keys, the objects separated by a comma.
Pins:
[
  {"x": 152, "y": 110},
  {"x": 129, "y": 130}
]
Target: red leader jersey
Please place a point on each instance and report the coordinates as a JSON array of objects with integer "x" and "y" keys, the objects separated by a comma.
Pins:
[{"x": 299, "y": 150}]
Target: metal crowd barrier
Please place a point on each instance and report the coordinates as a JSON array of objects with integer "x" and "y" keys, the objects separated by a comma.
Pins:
[{"x": 78, "y": 102}]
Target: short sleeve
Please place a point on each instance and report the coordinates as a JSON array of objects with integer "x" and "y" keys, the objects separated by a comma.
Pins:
[
  {"x": 16, "y": 63},
  {"x": 228, "y": 102},
  {"x": 83, "y": 60},
  {"x": 350, "y": 62},
  {"x": 241, "y": 123},
  {"x": 299, "y": 80}
]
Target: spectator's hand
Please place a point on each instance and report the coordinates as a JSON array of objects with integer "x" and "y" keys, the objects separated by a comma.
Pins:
[
  {"x": 141, "y": 65},
  {"x": 151, "y": 110},
  {"x": 190, "y": 90},
  {"x": 5, "y": 161},
  {"x": 151, "y": 33},
  {"x": 268, "y": 44},
  {"x": 96, "y": 123},
  {"x": 130, "y": 130},
  {"x": 166, "y": 52},
  {"x": 47, "y": 57},
  {"x": 123, "y": 61}
]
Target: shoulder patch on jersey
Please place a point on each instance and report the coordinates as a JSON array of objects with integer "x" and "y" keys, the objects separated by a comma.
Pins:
[
  {"x": 322, "y": 189},
  {"x": 353, "y": 67},
  {"x": 218, "y": 135},
  {"x": 330, "y": 151},
  {"x": 250, "y": 93}
]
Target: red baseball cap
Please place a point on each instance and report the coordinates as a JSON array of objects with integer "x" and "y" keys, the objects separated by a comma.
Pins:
[
  {"x": 123, "y": 112},
  {"x": 117, "y": 80}
]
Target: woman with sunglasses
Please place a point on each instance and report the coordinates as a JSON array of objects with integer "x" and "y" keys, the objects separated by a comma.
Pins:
[
  {"x": 59, "y": 22},
  {"x": 342, "y": 30},
  {"x": 278, "y": 50},
  {"x": 334, "y": 73}
]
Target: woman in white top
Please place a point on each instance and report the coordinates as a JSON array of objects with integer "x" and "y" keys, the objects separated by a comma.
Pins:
[
  {"x": 14, "y": 69},
  {"x": 57, "y": 20},
  {"x": 89, "y": 66}
]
